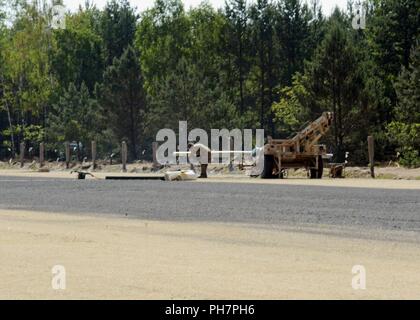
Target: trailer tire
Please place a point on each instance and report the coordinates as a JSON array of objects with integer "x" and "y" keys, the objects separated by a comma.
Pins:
[{"x": 268, "y": 167}]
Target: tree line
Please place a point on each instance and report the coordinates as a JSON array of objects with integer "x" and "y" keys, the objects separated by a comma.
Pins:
[{"x": 114, "y": 74}]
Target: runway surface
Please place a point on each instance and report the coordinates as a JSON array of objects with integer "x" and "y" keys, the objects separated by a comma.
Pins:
[{"x": 378, "y": 209}]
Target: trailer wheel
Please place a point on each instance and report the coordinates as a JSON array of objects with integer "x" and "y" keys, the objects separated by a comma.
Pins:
[{"x": 268, "y": 167}]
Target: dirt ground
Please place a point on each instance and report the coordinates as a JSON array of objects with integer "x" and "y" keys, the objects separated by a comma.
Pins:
[
  {"x": 112, "y": 258},
  {"x": 382, "y": 172}
]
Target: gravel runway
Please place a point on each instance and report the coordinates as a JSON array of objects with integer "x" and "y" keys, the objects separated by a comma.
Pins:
[{"x": 381, "y": 209}]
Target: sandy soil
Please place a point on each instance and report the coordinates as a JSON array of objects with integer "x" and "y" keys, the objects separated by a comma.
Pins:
[{"x": 115, "y": 258}]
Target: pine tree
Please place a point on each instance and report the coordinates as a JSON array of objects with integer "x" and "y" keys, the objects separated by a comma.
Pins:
[
  {"x": 123, "y": 99},
  {"x": 262, "y": 20},
  {"x": 405, "y": 129},
  {"x": 335, "y": 82},
  {"x": 76, "y": 117},
  {"x": 293, "y": 30},
  {"x": 237, "y": 42},
  {"x": 118, "y": 27},
  {"x": 77, "y": 56}
]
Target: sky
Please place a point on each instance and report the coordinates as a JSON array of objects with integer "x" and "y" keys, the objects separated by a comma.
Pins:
[{"x": 327, "y": 5}]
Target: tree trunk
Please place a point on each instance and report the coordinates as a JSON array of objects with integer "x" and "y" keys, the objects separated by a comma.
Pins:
[
  {"x": 12, "y": 136},
  {"x": 262, "y": 67},
  {"x": 241, "y": 76},
  {"x": 133, "y": 149}
]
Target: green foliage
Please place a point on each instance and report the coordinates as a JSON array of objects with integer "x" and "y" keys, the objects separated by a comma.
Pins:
[
  {"x": 163, "y": 32},
  {"x": 293, "y": 108},
  {"x": 407, "y": 136},
  {"x": 75, "y": 117},
  {"x": 27, "y": 82},
  {"x": 31, "y": 134},
  {"x": 118, "y": 28},
  {"x": 237, "y": 37},
  {"x": 77, "y": 56},
  {"x": 186, "y": 95},
  {"x": 271, "y": 64},
  {"x": 335, "y": 82},
  {"x": 393, "y": 29},
  {"x": 404, "y": 131},
  {"x": 123, "y": 99},
  {"x": 294, "y": 32}
]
